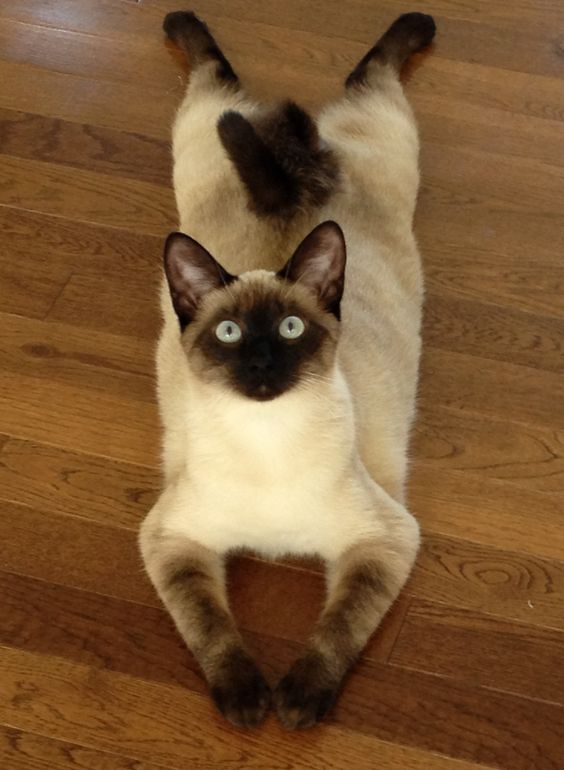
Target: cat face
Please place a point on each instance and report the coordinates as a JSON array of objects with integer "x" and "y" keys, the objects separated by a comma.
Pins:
[{"x": 263, "y": 333}]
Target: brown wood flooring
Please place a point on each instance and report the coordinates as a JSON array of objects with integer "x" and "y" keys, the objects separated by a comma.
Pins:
[{"x": 468, "y": 669}]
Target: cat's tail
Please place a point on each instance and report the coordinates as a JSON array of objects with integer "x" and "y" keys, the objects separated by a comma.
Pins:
[{"x": 280, "y": 160}]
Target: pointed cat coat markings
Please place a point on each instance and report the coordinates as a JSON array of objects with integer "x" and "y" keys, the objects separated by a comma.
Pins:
[
  {"x": 408, "y": 34},
  {"x": 320, "y": 469},
  {"x": 191, "y": 585},
  {"x": 262, "y": 365},
  {"x": 192, "y": 35},
  {"x": 280, "y": 160}
]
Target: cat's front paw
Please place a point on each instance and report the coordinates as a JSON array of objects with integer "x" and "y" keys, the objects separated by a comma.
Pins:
[
  {"x": 240, "y": 691},
  {"x": 307, "y": 692}
]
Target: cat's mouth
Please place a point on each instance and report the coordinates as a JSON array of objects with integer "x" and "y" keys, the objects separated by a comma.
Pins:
[{"x": 263, "y": 391}]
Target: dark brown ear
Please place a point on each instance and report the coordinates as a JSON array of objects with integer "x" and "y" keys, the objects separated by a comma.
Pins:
[
  {"x": 191, "y": 273},
  {"x": 319, "y": 264}
]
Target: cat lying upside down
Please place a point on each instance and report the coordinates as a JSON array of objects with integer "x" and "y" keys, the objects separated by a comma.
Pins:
[{"x": 287, "y": 384}]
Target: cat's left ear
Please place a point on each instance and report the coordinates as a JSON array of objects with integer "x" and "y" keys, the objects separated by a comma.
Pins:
[
  {"x": 319, "y": 264},
  {"x": 191, "y": 272}
]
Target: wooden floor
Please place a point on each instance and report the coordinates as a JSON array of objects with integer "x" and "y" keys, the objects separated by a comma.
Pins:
[{"x": 468, "y": 669}]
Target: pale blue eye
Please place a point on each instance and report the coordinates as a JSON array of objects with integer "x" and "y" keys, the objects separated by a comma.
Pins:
[
  {"x": 228, "y": 331},
  {"x": 291, "y": 327}
]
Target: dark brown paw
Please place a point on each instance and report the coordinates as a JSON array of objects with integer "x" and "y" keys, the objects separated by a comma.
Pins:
[
  {"x": 413, "y": 31},
  {"x": 409, "y": 33},
  {"x": 305, "y": 695},
  {"x": 240, "y": 691},
  {"x": 193, "y": 36},
  {"x": 180, "y": 23}
]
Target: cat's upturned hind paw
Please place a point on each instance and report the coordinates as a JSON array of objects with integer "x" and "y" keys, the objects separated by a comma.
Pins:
[
  {"x": 409, "y": 33},
  {"x": 240, "y": 691},
  {"x": 192, "y": 35}
]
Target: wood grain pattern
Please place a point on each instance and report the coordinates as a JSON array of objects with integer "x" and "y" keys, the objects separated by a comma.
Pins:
[
  {"x": 51, "y": 189},
  {"x": 489, "y": 331},
  {"x": 54, "y": 480},
  {"x": 465, "y": 671},
  {"x": 495, "y": 581},
  {"x": 143, "y": 110},
  {"x": 495, "y": 389},
  {"x": 487, "y": 510},
  {"x": 526, "y": 455},
  {"x": 465, "y": 645},
  {"x": 128, "y": 305},
  {"x": 35, "y": 752},
  {"x": 183, "y": 726},
  {"x": 28, "y": 751},
  {"x": 70, "y": 354},
  {"x": 79, "y": 418},
  {"x": 40, "y": 239},
  {"x": 117, "y": 153}
]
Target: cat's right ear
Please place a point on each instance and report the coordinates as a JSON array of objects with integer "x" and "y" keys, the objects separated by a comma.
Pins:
[{"x": 191, "y": 272}]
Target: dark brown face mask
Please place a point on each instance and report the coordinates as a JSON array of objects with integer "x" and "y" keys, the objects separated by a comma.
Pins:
[{"x": 259, "y": 338}]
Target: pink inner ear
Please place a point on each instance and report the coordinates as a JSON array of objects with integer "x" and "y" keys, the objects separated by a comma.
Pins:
[
  {"x": 319, "y": 262},
  {"x": 192, "y": 273}
]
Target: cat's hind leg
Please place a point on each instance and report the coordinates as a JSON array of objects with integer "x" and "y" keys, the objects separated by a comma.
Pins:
[
  {"x": 408, "y": 34},
  {"x": 192, "y": 35},
  {"x": 190, "y": 581},
  {"x": 362, "y": 584}
]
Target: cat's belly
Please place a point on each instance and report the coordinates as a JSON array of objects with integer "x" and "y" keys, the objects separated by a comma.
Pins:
[{"x": 272, "y": 521}]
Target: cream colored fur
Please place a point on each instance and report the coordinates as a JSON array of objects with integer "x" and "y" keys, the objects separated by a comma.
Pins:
[{"x": 323, "y": 466}]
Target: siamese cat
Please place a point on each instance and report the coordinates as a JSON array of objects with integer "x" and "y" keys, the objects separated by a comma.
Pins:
[{"x": 286, "y": 382}]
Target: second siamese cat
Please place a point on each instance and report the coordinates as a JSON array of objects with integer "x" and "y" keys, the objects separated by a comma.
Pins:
[{"x": 286, "y": 383}]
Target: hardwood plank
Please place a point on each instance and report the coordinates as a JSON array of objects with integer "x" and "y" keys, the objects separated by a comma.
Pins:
[
  {"x": 490, "y": 729},
  {"x": 483, "y": 181},
  {"x": 499, "y": 582},
  {"x": 42, "y": 239},
  {"x": 496, "y": 389},
  {"x": 525, "y": 455},
  {"x": 72, "y": 355},
  {"x": 27, "y": 751},
  {"x": 36, "y": 752},
  {"x": 496, "y": 729},
  {"x": 143, "y": 110},
  {"x": 97, "y": 631},
  {"x": 67, "y": 550},
  {"x": 129, "y": 306},
  {"x": 57, "y": 481},
  {"x": 488, "y": 331},
  {"x": 39, "y": 254},
  {"x": 170, "y": 725},
  {"x": 480, "y": 272},
  {"x": 79, "y": 419},
  {"x": 487, "y": 511},
  {"x": 117, "y": 153},
  {"x": 443, "y": 81},
  {"x": 86, "y": 195},
  {"x": 30, "y": 286},
  {"x": 448, "y": 116},
  {"x": 127, "y": 59},
  {"x": 479, "y": 649}
]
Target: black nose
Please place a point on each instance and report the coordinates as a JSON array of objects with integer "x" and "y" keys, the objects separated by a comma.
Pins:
[
  {"x": 261, "y": 359},
  {"x": 261, "y": 365}
]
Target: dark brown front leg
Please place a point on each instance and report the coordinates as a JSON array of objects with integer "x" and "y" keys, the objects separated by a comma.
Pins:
[
  {"x": 363, "y": 583},
  {"x": 190, "y": 581}
]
